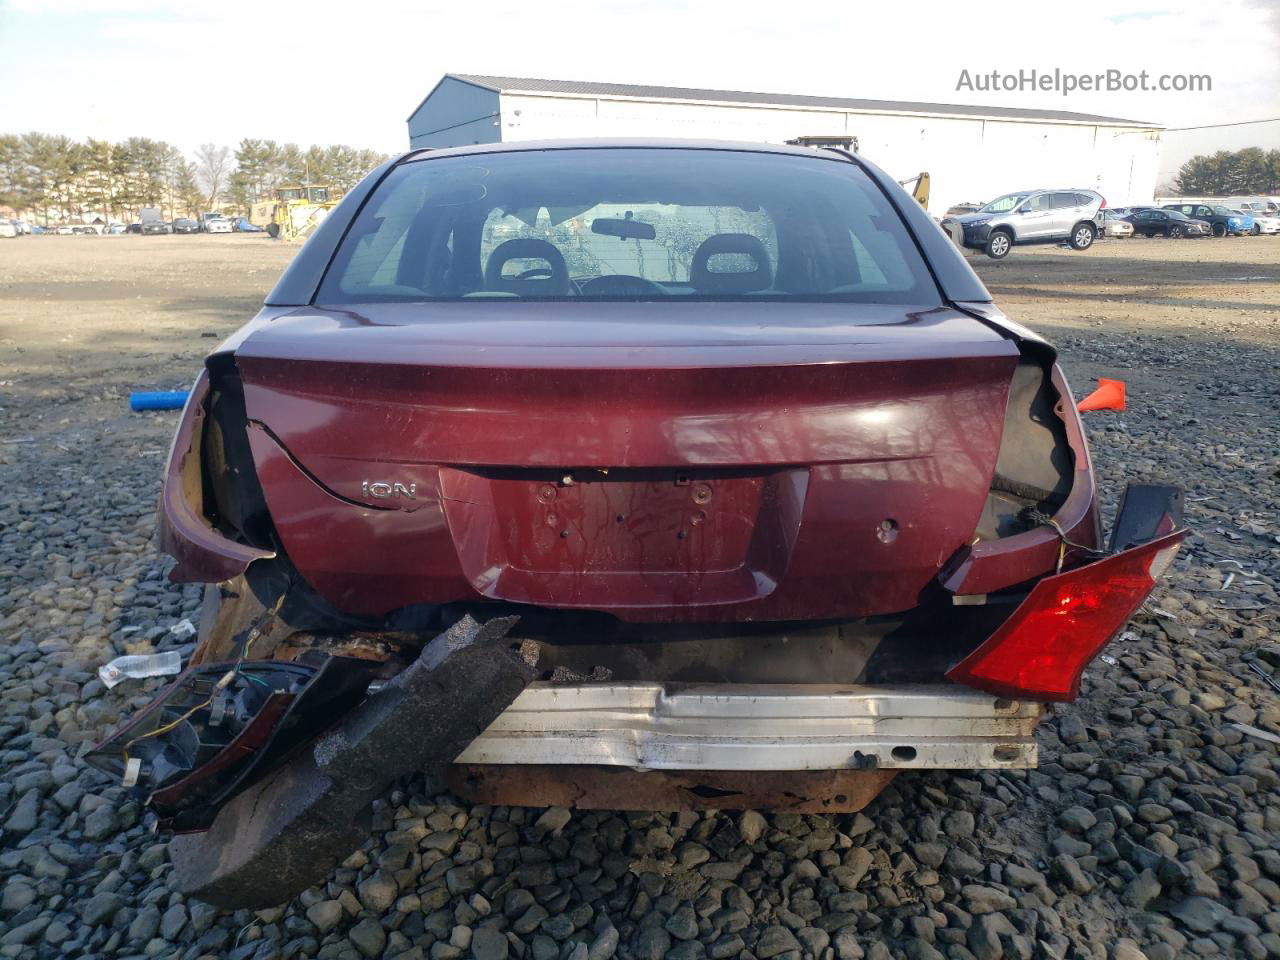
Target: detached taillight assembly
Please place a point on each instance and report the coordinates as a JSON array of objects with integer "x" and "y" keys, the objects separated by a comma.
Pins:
[{"x": 1040, "y": 652}]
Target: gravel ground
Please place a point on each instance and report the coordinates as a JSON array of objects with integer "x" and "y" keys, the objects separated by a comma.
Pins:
[{"x": 1150, "y": 830}]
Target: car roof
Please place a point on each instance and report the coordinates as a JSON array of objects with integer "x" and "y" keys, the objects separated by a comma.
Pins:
[
  {"x": 1009, "y": 193},
  {"x": 615, "y": 143}
]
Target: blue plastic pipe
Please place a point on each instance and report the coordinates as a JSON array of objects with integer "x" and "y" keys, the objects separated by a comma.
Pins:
[{"x": 158, "y": 400}]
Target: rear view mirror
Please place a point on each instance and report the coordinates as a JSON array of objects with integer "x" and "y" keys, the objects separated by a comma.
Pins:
[{"x": 624, "y": 229}]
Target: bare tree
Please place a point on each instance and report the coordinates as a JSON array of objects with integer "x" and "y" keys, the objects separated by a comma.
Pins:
[{"x": 212, "y": 167}]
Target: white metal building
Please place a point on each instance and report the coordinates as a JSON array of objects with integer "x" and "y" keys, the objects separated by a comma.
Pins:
[{"x": 973, "y": 153}]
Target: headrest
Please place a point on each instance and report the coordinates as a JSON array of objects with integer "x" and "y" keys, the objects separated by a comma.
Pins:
[
  {"x": 527, "y": 248},
  {"x": 709, "y": 273}
]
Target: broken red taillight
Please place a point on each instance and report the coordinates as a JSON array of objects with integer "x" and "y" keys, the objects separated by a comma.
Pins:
[{"x": 1042, "y": 649}]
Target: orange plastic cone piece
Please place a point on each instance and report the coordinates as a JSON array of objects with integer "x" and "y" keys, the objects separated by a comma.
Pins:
[{"x": 1108, "y": 396}]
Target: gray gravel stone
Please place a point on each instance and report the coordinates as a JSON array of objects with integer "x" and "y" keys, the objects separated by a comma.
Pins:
[
  {"x": 25, "y": 933},
  {"x": 145, "y": 925},
  {"x": 983, "y": 899},
  {"x": 751, "y": 826},
  {"x": 378, "y": 892},
  {"x": 1199, "y": 913},
  {"x": 847, "y": 947},
  {"x": 652, "y": 943},
  {"x": 604, "y": 946},
  {"x": 100, "y": 824},
  {"x": 1126, "y": 949},
  {"x": 730, "y": 945},
  {"x": 326, "y": 915},
  {"x": 775, "y": 940},
  {"x": 16, "y": 896},
  {"x": 683, "y": 924},
  {"x": 1076, "y": 819},
  {"x": 101, "y": 907},
  {"x": 553, "y": 820},
  {"x": 25, "y": 814},
  {"x": 489, "y": 943},
  {"x": 1141, "y": 890},
  {"x": 172, "y": 922},
  {"x": 368, "y": 936},
  {"x": 1067, "y": 871},
  {"x": 984, "y": 936}
]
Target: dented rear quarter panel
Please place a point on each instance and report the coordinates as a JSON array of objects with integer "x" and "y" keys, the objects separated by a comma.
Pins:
[{"x": 203, "y": 554}]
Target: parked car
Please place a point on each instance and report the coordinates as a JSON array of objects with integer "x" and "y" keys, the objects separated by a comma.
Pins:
[
  {"x": 116, "y": 229},
  {"x": 22, "y": 226},
  {"x": 218, "y": 225},
  {"x": 152, "y": 227},
  {"x": 9, "y": 228},
  {"x": 1223, "y": 221},
  {"x": 135, "y": 227},
  {"x": 1263, "y": 221},
  {"x": 1253, "y": 206},
  {"x": 1114, "y": 224},
  {"x": 243, "y": 225},
  {"x": 1167, "y": 223},
  {"x": 598, "y": 522},
  {"x": 1030, "y": 216},
  {"x": 185, "y": 225},
  {"x": 64, "y": 230}
]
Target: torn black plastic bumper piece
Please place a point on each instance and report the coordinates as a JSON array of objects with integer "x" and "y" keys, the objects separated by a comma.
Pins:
[{"x": 288, "y": 831}]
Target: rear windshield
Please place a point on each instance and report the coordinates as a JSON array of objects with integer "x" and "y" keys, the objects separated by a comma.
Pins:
[{"x": 628, "y": 224}]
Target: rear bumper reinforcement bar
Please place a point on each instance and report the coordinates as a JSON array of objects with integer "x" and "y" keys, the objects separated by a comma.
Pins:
[{"x": 752, "y": 727}]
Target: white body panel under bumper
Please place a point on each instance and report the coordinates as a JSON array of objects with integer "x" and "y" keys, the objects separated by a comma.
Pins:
[{"x": 760, "y": 727}]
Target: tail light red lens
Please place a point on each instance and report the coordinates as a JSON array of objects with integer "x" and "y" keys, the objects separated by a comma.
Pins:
[{"x": 1040, "y": 652}]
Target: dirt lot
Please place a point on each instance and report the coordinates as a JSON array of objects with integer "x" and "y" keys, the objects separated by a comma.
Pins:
[{"x": 1151, "y": 829}]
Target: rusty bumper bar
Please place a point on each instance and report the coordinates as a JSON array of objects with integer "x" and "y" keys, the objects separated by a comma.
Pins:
[{"x": 624, "y": 788}]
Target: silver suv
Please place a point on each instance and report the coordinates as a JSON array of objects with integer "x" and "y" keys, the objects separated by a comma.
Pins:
[{"x": 1030, "y": 216}]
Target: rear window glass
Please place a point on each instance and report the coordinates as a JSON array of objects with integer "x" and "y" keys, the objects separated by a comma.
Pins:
[{"x": 630, "y": 224}]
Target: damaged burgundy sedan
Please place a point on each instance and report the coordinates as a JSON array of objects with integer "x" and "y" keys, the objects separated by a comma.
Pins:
[{"x": 648, "y": 475}]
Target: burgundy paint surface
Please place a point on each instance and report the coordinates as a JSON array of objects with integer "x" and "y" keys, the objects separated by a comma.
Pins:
[{"x": 767, "y": 460}]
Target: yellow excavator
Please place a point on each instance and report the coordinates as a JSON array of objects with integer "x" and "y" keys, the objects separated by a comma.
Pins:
[
  {"x": 295, "y": 211},
  {"x": 920, "y": 190}
]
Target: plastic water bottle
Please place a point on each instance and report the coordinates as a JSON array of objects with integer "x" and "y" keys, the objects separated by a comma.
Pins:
[{"x": 138, "y": 666}]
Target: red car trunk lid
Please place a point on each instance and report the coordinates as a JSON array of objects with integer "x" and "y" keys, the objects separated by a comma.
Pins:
[{"x": 726, "y": 461}]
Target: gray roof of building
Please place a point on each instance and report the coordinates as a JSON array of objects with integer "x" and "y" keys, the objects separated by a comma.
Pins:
[{"x": 647, "y": 92}]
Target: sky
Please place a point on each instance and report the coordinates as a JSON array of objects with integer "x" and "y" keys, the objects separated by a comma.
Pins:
[{"x": 216, "y": 71}]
